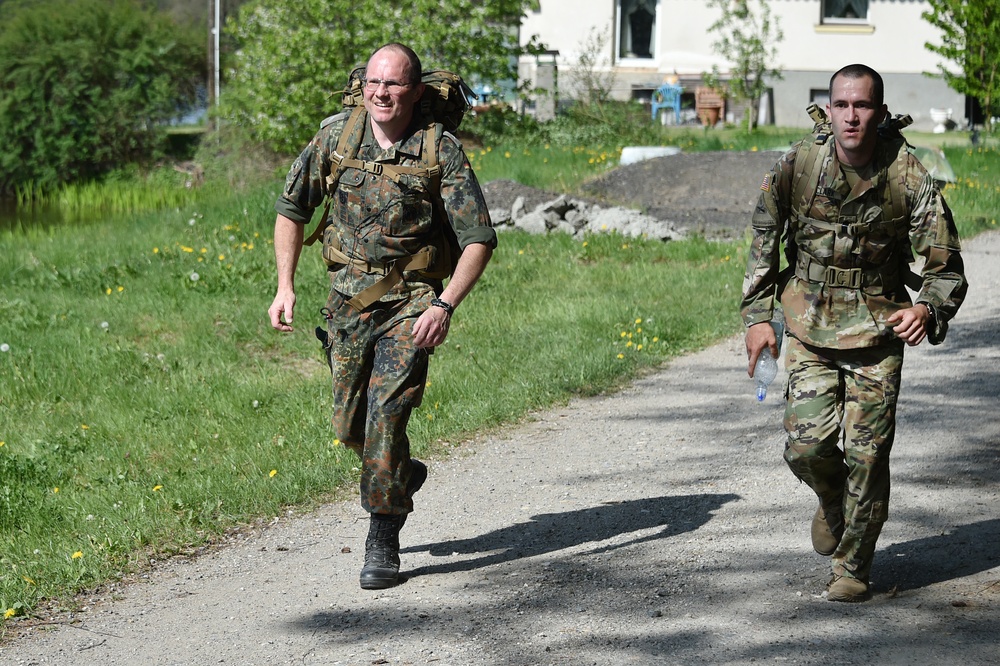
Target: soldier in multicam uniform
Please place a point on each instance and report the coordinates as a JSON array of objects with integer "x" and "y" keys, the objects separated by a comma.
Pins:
[
  {"x": 848, "y": 313},
  {"x": 379, "y": 354}
]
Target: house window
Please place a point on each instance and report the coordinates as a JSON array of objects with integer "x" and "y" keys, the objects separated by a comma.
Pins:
[
  {"x": 637, "y": 29},
  {"x": 845, "y": 11}
]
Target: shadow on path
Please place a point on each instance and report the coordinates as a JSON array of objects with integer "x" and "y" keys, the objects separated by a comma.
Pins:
[
  {"x": 923, "y": 562},
  {"x": 550, "y": 532}
]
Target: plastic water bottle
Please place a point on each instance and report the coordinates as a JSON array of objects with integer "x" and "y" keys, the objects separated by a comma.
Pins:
[{"x": 767, "y": 366}]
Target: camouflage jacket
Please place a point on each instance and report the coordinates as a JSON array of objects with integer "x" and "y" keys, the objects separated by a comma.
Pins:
[
  {"x": 378, "y": 220},
  {"x": 846, "y": 306}
]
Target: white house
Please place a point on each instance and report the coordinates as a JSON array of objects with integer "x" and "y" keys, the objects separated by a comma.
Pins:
[{"x": 647, "y": 41}]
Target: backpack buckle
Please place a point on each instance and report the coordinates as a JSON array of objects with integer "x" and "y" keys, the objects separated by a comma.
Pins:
[{"x": 849, "y": 278}]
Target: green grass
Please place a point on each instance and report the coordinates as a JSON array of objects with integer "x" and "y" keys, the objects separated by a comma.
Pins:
[{"x": 147, "y": 407}]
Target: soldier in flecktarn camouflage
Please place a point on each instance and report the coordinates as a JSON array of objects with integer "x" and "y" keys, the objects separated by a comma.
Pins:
[
  {"x": 849, "y": 206},
  {"x": 389, "y": 306}
]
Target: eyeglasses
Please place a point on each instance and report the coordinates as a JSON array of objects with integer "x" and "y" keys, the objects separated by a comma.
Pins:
[{"x": 392, "y": 86}]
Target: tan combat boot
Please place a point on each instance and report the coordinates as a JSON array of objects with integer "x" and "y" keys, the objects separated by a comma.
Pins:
[
  {"x": 827, "y": 529},
  {"x": 850, "y": 590}
]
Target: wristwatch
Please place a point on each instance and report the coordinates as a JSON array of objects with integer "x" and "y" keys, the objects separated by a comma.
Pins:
[{"x": 444, "y": 305}]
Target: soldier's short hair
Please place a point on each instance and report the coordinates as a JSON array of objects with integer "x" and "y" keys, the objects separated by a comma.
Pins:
[
  {"x": 857, "y": 71},
  {"x": 413, "y": 66}
]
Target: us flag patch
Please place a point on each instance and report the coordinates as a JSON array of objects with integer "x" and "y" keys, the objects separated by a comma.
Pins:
[{"x": 766, "y": 185}]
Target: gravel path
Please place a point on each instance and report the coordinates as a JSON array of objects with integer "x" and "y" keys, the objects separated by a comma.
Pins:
[{"x": 657, "y": 525}]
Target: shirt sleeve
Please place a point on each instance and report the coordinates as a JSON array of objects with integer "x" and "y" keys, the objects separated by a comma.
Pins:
[
  {"x": 462, "y": 196},
  {"x": 764, "y": 260},
  {"x": 934, "y": 236},
  {"x": 305, "y": 185}
]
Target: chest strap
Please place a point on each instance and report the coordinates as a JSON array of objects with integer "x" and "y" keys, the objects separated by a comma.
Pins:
[{"x": 849, "y": 225}]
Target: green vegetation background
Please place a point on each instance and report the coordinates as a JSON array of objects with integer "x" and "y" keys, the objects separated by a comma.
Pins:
[{"x": 146, "y": 406}]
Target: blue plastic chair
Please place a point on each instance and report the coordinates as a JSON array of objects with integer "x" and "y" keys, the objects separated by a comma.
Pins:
[{"x": 668, "y": 96}]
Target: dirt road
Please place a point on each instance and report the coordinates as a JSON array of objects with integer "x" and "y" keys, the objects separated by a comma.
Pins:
[{"x": 654, "y": 526}]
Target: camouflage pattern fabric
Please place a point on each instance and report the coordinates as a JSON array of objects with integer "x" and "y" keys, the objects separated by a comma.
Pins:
[
  {"x": 826, "y": 314},
  {"x": 378, "y": 379},
  {"x": 379, "y": 220},
  {"x": 852, "y": 394}
]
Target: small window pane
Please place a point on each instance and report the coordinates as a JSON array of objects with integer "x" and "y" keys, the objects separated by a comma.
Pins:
[
  {"x": 637, "y": 28},
  {"x": 845, "y": 9}
]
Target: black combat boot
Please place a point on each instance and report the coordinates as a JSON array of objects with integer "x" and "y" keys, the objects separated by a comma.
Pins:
[{"x": 381, "y": 568}]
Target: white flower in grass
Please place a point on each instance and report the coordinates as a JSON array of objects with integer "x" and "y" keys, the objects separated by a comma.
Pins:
[
  {"x": 195, "y": 277},
  {"x": 4, "y": 348}
]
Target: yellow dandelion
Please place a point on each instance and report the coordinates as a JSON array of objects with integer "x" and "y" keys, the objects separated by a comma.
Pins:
[
  {"x": 84, "y": 426},
  {"x": 625, "y": 246},
  {"x": 55, "y": 490},
  {"x": 78, "y": 554},
  {"x": 222, "y": 257},
  {"x": 656, "y": 339},
  {"x": 336, "y": 442},
  {"x": 250, "y": 246},
  {"x": 430, "y": 417},
  {"x": 638, "y": 321},
  {"x": 27, "y": 580},
  {"x": 520, "y": 251},
  {"x": 185, "y": 248},
  {"x": 624, "y": 333},
  {"x": 628, "y": 344},
  {"x": 108, "y": 291},
  {"x": 585, "y": 243},
  {"x": 9, "y": 613},
  {"x": 427, "y": 385},
  {"x": 272, "y": 473},
  {"x": 638, "y": 330},
  {"x": 120, "y": 289},
  {"x": 506, "y": 154},
  {"x": 204, "y": 250},
  {"x": 2, "y": 443},
  {"x": 638, "y": 347},
  {"x": 156, "y": 250},
  {"x": 621, "y": 355},
  {"x": 157, "y": 488}
]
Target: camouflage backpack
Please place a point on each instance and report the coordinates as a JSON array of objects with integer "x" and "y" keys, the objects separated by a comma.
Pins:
[
  {"x": 441, "y": 108},
  {"x": 895, "y": 210}
]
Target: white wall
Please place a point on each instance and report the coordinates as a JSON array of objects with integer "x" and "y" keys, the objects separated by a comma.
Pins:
[{"x": 807, "y": 55}]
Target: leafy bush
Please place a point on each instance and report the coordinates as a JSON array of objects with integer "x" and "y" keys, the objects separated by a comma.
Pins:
[
  {"x": 293, "y": 58},
  {"x": 87, "y": 85}
]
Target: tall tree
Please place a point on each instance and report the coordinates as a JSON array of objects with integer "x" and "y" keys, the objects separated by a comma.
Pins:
[
  {"x": 747, "y": 38},
  {"x": 86, "y": 86},
  {"x": 293, "y": 58},
  {"x": 970, "y": 41}
]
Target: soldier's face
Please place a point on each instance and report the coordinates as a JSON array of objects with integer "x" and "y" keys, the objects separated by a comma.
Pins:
[
  {"x": 855, "y": 117},
  {"x": 388, "y": 103}
]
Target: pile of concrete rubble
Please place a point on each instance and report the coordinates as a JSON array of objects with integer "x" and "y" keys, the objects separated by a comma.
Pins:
[{"x": 576, "y": 217}]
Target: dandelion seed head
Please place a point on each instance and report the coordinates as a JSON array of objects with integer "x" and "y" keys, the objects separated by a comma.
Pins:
[
  {"x": 191, "y": 222},
  {"x": 195, "y": 277},
  {"x": 105, "y": 325},
  {"x": 256, "y": 404},
  {"x": 4, "y": 347}
]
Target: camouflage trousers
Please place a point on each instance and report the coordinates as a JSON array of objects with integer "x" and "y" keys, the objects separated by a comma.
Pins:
[
  {"x": 378, "y": 379},
  {"x": 840, "y": 416}
]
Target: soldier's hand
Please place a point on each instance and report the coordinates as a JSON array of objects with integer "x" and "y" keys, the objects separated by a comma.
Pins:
[
  {"x": 431, "y": 328},
  {"x": 758, "y": 337},
  {"x": 283, "y": 304},
  {"x": 910, "y": 324}
]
